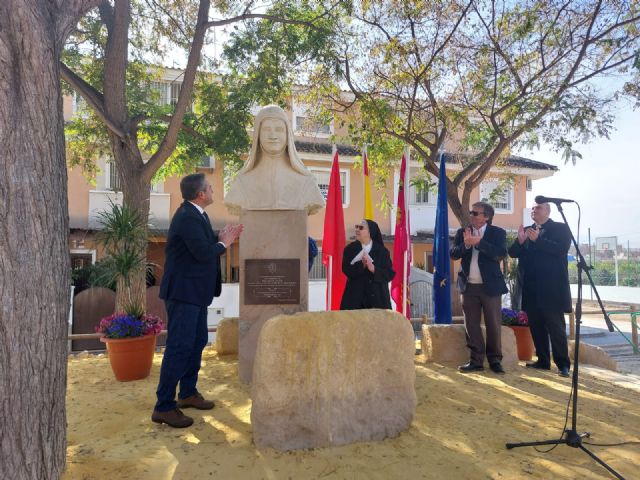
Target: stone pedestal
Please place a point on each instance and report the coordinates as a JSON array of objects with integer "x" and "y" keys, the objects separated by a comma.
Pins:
[
  {"x": 271, "y": 288},
  {"x": 330, "y": 378}
]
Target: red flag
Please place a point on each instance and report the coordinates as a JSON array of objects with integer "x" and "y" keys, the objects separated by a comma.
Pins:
[
  {"x": 401, "y": 248},
  {"x": 333, "y": 239}
]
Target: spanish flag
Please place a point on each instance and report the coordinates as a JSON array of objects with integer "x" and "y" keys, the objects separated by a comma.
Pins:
[{"x": 368, "y": 207}]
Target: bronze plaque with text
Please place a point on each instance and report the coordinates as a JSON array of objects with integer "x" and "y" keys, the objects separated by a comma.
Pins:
[{"x": 272, "y": 282}]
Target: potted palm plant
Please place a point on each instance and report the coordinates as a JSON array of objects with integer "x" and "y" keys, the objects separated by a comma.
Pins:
[
  {"x": 130, "y": 333},
  {"x": 123, "y": 235}
]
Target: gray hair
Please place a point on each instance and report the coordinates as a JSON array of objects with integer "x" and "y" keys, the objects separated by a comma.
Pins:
[
  {"x": 487, "y": 209},
  {"x": 191, "y": 185}
]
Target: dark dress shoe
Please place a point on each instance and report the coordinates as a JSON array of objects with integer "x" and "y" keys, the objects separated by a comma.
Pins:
[
  {"x": 470, "y": 367},
  {"x": 196, "y": 401},
  {"x": 563, "y": 372},
  {"x": 496, "y": 367},
  {"x": 174, "y": 418},
  {"x": 538, "y": 366}
]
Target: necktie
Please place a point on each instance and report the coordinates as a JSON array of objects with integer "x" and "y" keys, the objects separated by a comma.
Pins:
[{"x": 206, "y": 217}]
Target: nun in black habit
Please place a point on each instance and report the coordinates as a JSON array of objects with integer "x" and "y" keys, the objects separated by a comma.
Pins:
[{"x": 367, "y": 266}]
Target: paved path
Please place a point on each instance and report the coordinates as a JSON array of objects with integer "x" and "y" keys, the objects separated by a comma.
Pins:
[
  {"x": 593, "y": 331},
  {"x": 610, "y": 294}
]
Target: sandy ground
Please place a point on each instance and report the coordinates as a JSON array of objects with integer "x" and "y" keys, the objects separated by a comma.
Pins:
[{"x": 459, "y": 432}]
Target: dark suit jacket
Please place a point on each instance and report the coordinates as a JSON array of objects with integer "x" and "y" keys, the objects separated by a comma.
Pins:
[
  {"x": 192, "y": 264},
  {"x": 365, "y": 289},
  {"x": 543, "y": 268},
  {"x": 492, "y": 248}
]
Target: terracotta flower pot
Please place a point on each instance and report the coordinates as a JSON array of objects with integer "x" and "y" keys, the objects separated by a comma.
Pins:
[
  {"x": 130, "y": 358},
  {"x": 524, "y": 342}
]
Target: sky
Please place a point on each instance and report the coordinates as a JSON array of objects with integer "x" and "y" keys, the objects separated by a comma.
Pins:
[{"x": 605, "y": 182}]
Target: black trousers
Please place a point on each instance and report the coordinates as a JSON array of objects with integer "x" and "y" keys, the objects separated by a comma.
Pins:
[
  {"x": 549, "y": 325},
  {"x": 183, "y": 353},
  {"x": 474, "y": 303}
]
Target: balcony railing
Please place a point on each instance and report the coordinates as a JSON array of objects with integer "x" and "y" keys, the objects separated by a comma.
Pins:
[{"x": 159, "y": 208}]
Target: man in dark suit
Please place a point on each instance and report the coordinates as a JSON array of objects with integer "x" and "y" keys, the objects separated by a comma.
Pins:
[
  {"x": 481, "y": 246},
  {"x": 541, "y": 250},
  {"x": 191, "y": 280}
]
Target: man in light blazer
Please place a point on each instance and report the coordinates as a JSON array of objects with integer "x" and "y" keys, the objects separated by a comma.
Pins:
[
  {"x": 480, "y": 247},
  {"x": 191, "y": 280}
]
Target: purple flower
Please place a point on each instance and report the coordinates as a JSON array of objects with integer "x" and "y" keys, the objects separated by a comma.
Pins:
[
  {"x": 124, "y": 325},
  {"x": 511, "y": 317},
  {"x": 522, "y": 318}
]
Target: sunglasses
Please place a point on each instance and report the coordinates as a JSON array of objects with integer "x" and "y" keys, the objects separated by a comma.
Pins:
[
  {"x": 473, "y": 213},
  {"x": 359, "y": 227}
]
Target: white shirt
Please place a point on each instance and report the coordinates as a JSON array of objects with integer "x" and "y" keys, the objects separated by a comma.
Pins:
[{"x": 474, "y": 269}]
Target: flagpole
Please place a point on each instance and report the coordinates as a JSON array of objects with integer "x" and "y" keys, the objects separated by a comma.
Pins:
[
  {"x": 329, "y": 282},
  {"x": 404, "y": 284}
]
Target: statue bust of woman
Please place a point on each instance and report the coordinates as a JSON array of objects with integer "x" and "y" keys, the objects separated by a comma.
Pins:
[{"x": 274, "y": 177}]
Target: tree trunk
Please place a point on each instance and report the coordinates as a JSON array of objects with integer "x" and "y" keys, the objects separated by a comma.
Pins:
[
  {"x": 136, "y": 194},
  {"x": 34, "y": 255}
]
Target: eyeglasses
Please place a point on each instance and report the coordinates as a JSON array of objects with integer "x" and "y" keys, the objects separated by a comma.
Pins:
[
  {"x": 359, "y": 227},
  {"x": 473, "y": 213}
]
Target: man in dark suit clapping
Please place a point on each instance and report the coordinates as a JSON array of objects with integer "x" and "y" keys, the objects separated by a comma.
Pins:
[
  {"x": 191, "y": 280},
  {"x": 481, "y": 246},
  {"x": 541, "y": 250}
]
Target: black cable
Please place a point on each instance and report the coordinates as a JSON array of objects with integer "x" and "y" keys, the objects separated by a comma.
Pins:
[
  {"x": 612, "y": 444},
  {"x": 564, "y": 427}
]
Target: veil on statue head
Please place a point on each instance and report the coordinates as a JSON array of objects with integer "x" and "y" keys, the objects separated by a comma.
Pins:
[{"x": 274, "y": 112}]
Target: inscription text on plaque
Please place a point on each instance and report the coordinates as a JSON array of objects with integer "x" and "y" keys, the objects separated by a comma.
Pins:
[{"x": 272, "y": 282}]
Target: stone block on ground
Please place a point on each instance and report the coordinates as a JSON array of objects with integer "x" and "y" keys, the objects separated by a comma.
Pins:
[
  {"x": 332, "y": 378},
  {"x": 509, "y": 348},
  {"x": 593, "y": 355},
  {"x": 447, "y": 344},
  {"x": 227, "y": 336},
  {"x": 444, "y": 343}
]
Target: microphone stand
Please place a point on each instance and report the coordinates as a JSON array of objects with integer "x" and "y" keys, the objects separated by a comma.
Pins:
[{"x": 571, "y": 437}]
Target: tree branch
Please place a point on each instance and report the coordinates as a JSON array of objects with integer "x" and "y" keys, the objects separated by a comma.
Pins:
[
  {"x": 93, "y": 98},
  {"x": 67, "y": 16},
  {"x": 273, "y": 18},
  {"x": 171, "y": 137},
  {"x": 106, "y": 14},
  {"x": 115, "y": 61}
]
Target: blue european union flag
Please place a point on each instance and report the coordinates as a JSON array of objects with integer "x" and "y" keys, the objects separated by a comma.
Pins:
[{"x": 442, "y": 270}]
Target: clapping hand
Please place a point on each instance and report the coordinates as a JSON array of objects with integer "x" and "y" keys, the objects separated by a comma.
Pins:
[
  {"x": 230, "y": 233},
  {"x": 367, "y": 261},
  {"x": 470, "y": 240},
  {"x": 533, "y": 233}
]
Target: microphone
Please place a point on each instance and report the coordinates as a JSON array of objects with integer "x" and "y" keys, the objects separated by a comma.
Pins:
[{"x": 542, "y": 199}]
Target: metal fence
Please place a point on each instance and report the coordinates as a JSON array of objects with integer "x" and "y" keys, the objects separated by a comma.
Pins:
[
  {"x": 420, "y": 293},
  {"x": 318, "y": 270}
]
